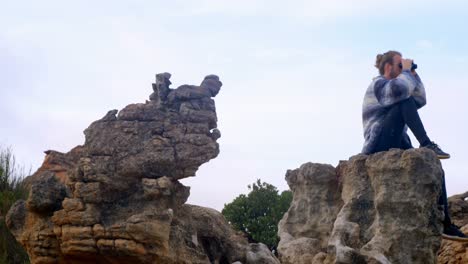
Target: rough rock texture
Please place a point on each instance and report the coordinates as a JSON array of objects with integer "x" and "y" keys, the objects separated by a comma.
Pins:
[
  {"x": 454, "y": 252},
  {"x": 117, "y": 198},
  {"x": 380, "y": 208},
  {"x": 305, "y": 228}
]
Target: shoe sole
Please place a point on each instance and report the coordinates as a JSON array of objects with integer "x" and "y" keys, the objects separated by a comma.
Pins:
[
  {"x": 443, "y": 157},
  {"x": 455, "y": 238}
]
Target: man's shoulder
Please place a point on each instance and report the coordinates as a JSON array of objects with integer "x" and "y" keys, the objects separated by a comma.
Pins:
[{"x": 379, "y": 82}]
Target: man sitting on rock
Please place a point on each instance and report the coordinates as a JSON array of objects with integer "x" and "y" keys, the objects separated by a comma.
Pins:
[{"x": 390, "y": 106}]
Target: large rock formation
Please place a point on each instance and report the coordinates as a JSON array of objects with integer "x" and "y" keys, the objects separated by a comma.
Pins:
[
  {"x": 380, "y": 208},
  {"x": 117, "y": 198},
  {"x": 455, "y": 252}
]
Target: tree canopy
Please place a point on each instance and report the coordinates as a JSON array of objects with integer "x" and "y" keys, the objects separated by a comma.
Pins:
[{"x": 257, "y": 214}]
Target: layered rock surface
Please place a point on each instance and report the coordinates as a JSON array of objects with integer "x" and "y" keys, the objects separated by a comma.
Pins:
[
  {"x": 455, "y": 252},
  {"x": 117, "y": 198},
  {"x": 380, "y": 208}
]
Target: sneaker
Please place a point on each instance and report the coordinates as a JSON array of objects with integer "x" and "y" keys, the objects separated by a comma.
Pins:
[
  {"x": 452, "y": 232},
  {"x": 434, "y": 147}
]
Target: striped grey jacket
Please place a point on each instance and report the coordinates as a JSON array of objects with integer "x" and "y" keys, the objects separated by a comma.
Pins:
[{"x": 382, "y": 94}]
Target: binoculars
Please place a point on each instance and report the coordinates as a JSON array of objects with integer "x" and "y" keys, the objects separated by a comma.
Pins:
[{"x": 413, "y": 66}]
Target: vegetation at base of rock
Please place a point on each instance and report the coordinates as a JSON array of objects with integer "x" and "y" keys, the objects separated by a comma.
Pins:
[
  {"x": 257, "y": 214},
  {"x": 11, "y": 190}
]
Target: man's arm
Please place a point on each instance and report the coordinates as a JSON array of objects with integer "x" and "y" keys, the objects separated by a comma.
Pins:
[
  {"x": 392, "y": 91},
  {"x": 419, "y": 92}
]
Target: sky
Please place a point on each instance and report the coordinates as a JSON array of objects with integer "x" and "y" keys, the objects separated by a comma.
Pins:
[{"x": 294, "y": 75}]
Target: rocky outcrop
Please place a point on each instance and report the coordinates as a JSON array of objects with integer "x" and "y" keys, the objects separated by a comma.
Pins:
[
  {"x": 117, "y": 198},
  {"x": 380, "y": 208},
  {"x": 305, "y": 228},
  {"x": 456, "y": 252}
]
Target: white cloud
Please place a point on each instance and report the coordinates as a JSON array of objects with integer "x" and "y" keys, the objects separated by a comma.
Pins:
[
  {"x": 312, "y": 10},
  {"x": 425, "y": 44},
  {"x": 461, "y": 60}
]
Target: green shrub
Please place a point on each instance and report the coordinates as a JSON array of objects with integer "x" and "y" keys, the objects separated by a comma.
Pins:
[
  {"x": 11, "y": 190},
  {"x": 258, "y": 213}
]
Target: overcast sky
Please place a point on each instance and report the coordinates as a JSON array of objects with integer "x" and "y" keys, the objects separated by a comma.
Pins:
[{"x": 294, "y": 75}]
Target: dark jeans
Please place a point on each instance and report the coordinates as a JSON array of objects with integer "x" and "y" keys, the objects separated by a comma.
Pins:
[
  {"x": 392, "y": 136},
  {"x": 399, "y": 115},
  {"x": 443, "y": 201}
]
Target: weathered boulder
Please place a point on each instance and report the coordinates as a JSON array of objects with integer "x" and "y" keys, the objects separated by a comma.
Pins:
[
  {"x": 117, "y": 198},
  {"x": 305, "y": 228},
  {"x": 456, "y": 252},
  {"x": 380, "y": 208}
]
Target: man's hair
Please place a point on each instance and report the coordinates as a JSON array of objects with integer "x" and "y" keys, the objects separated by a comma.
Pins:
[{"x": 385, "y": 58}]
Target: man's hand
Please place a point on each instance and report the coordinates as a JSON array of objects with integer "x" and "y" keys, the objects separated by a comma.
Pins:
[{"x": 406, "y": 64}]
